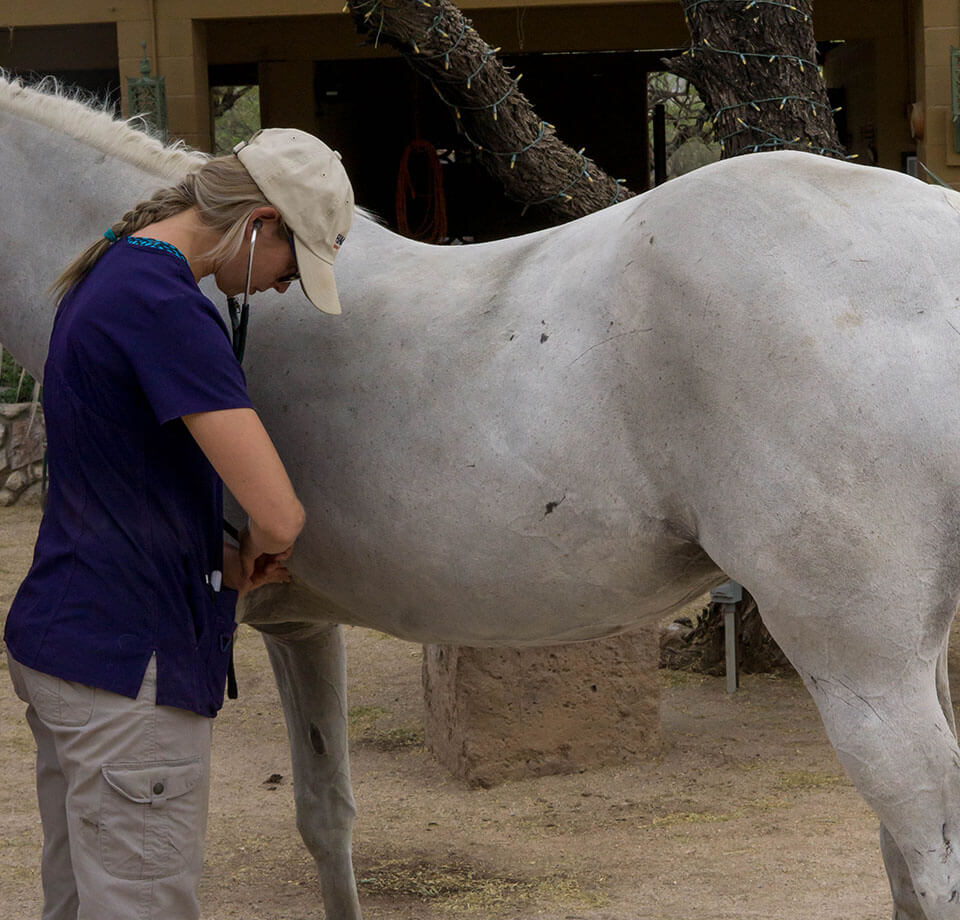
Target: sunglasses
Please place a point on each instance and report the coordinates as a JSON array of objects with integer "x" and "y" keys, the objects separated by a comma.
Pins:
[{"x": 290, "y": 277}]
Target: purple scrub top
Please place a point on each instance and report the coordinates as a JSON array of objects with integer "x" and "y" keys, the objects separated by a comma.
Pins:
[{"x": 132, "y": 530}]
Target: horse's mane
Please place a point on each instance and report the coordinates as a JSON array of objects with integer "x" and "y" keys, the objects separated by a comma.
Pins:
[{"x": 80, "y": 116}]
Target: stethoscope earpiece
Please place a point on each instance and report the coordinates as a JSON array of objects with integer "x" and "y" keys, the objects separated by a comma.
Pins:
[{"x": 254, "y": 233}]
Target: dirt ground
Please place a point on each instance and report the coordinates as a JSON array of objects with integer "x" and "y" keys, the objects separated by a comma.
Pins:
[{"x": 745, "y": 813}]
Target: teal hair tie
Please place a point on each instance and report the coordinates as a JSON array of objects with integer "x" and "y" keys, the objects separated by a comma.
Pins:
[{"x": 110, "y": 235}]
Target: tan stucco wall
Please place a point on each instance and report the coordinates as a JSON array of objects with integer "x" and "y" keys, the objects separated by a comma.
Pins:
[
  {"x": 177, "y": 32},
  {"x": 875, "y": 70},
  {"x": 184, "y": 36},
  {"x": 940, "y": 29}
]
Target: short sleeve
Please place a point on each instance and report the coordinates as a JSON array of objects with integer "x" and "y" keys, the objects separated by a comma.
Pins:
[{"x": 185, "y": 362}]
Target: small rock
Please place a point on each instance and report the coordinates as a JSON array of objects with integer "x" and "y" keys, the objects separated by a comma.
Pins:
[
  {"x": 12, "y": 410},
  {"x": 17, "y": 481},
  {"x": 32, "y": 495}
]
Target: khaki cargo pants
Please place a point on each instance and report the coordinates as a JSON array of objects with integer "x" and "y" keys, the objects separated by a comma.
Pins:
[{"x": 123, "y": 787}]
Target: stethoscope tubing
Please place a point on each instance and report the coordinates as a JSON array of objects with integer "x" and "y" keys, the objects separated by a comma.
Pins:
[{"x": 240, "y": 315}]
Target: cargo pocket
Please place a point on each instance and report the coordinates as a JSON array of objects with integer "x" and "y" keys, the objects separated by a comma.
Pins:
[
  {"x": 152, "y": 817},
  {"x": 57, "y": 701}
]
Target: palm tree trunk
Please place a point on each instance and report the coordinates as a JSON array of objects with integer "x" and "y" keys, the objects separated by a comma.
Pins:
[
  {"x": 513, "y": 143},
  {"x": 754, "y": 64}
]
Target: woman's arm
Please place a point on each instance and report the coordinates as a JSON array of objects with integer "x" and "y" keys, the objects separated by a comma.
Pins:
[{"x": 240, "y": 450}]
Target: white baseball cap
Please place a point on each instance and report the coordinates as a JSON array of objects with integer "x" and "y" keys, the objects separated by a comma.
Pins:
[{"x": 306, "y": 182}]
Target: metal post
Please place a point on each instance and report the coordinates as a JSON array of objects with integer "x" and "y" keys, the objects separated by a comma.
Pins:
[
  {"x": 731, "y": 630},
  {"x": 955, "y": 95},
  {"x": 729, "y": 597},
  {"x": 659, "y": 144}
]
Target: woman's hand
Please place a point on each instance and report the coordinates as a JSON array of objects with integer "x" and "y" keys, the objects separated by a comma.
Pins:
[
  {"x": 240, "y": 450},
  {"x": 261, "y": 569}
]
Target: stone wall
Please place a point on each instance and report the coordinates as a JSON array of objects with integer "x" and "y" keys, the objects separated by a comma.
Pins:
[{"x": 22, "y": 443}]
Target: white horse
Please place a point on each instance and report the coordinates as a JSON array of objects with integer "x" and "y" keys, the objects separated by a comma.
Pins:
[{"x": 754, "y": 369}]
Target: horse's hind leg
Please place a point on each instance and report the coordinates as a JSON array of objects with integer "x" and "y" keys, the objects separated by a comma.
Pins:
[
  {"x": 871, "y": 667},
  {"x": 309, "y": 664},
  {"x": 906, "y": 904}
]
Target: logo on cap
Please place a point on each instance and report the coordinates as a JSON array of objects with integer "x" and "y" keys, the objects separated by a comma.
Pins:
[{"x": 339, "y": 241}]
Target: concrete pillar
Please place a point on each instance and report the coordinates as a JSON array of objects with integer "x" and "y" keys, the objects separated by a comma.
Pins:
[
  {"x": 182, "y": 46},
  {"x": 940, "y": 30},
  {"x": 500, "y": 714},
  {"x": 180, "y": 57}
]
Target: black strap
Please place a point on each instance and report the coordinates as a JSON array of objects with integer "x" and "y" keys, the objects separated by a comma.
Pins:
[
  {"x": 232, "y": 692},
  {"x": 239, "y": 317},
  {"x": 238, "y": 321}
]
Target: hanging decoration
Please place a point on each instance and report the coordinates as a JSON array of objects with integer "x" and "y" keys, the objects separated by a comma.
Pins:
[{"x": 147, "y": 98}]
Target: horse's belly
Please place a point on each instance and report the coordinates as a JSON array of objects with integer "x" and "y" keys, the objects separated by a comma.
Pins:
[{"x": 545, "y": 580}]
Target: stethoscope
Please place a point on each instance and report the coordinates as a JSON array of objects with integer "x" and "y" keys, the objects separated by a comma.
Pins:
[{"x": 240, "y": 314}]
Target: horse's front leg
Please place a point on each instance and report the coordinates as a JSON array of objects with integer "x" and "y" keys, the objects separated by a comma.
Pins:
[{"x": 309, "y": 663}]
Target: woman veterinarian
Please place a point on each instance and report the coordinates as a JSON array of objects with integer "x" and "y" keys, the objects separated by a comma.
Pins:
[{"x": 119, "y": 638}]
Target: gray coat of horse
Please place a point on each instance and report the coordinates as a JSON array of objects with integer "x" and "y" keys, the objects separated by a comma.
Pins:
[{"x": 754, "y": 369}]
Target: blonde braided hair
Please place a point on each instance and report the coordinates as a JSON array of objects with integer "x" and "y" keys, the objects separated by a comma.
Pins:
[{"x": 220, "y": 189}]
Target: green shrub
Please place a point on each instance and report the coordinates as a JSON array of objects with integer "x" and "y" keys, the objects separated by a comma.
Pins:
[{"x": 15, "y": 384}]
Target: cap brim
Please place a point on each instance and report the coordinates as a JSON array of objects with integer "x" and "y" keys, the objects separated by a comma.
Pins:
[{"x": 316, "y": 279}]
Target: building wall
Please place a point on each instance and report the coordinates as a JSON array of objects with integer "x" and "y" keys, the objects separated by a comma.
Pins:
[
  {"x": 938, "y": 30},
  {"x": 183, "y": 37},
  {"x": 897, "y": 59},
  {"x": 873, "y": 66}
]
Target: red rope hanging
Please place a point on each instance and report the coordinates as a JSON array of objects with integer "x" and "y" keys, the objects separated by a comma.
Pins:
[{"x": 433, "y": 225}]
